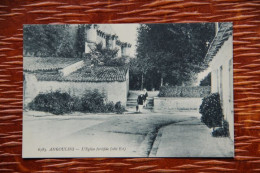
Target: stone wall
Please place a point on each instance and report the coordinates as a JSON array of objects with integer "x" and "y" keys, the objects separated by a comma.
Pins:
[
  {"x": 115, "y": 91},
  {"x": 30, "y": 89},
  {"x": 184, "y": 91},
  {"x": 168, "y": 104}
]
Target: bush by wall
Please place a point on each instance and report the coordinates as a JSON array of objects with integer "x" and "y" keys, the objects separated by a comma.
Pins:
[
  {"x": 223, "y": 131},
  {"x": 211, "y": 111},
  {"x": 60, "y": 103},
  {"x": 77, "y": 104},
  {"x": 93, "y": 101},
  {"x": 54, "y": 102},
  {"x": 110, "y": 107},
  {"x": 119, "y": 108},
  {"x": 180, "y": 91}
]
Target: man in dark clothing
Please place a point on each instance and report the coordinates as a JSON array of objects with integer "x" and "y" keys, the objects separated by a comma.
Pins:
[
  {"x": 145, "y": 97},
  {"x": 140, "y": 103}
]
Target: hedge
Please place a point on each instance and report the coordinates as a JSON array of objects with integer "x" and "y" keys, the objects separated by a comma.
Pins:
[{"x": 180, "y": 91}]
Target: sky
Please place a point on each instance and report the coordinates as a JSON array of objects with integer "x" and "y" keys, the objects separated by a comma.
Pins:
[{"x": 127, "y": 33}]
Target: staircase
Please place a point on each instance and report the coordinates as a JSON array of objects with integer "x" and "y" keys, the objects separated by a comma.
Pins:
[
  {"x": 132, "y": 102},
  {"x": 132, "y": 99}
]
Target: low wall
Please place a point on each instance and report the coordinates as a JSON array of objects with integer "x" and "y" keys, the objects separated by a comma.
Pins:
[
  {"x": 30, "y": 90},
  {"x": 184, "y": 91},
  {"x": 115, "y": 91},
  {"x": 176, "y": 103}
]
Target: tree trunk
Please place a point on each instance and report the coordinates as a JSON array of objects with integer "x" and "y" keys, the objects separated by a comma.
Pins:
[
  {"x": 142, "y": 84},
  {"x": 161, "y": 81}
]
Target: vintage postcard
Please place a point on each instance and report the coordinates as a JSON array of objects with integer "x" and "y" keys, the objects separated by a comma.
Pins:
[{"x": 128, "y": 90}]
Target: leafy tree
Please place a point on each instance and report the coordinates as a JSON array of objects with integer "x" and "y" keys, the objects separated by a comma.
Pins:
[
  {"x": 80, "y": 40},
  {"x": 66, "y": 47},
  {"x": 48, "y": 40},
  {"x": 35, "y": 39},
  {"x": 175, "y": 52},
  {"x": 134, "y": 74}
]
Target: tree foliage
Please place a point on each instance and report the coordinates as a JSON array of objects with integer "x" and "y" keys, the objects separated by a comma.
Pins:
[
  {"x": 50, "y": 41},
  {"x": 66, "y": 41},
  {"x": 172, "y": 52},
  {"x": 206, "y": 81},
  {"x": 103, "y": 54},
  {"x": 106, "y": 56},
  {"x": 211, "y": 111},
  {"x": 80, "y": 40}
]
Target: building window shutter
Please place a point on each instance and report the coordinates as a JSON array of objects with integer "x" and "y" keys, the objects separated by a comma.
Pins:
[{"x": 221, "y": 84}]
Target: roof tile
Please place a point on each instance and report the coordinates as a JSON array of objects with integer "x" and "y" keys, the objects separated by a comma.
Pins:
[
  {"x": 97, "y": 74},
  {"x": 47, "y": 63}
]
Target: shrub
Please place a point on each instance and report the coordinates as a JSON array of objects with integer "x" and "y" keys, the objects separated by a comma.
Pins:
[
  {"x": 93, "y": 101},
  {"x": 119, "y": 108},
  {"x": 53, "y": 102},
  {"x": 77, "y": 104},
  {"x": 117, "y": 62},
  {"x": 110, "y": 107},
  {"x": 223, "y": 131},
  {"x": 211, "y": 111},
  {"x": 60, "y": 103}
]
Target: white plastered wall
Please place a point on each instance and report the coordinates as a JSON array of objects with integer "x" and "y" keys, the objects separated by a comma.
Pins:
[{"x": 223, "y": 58}]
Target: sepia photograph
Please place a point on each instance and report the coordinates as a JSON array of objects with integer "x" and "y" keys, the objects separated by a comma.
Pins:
[{"x": 128, "y": 90}]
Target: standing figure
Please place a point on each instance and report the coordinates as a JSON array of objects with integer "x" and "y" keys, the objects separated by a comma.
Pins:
[
  {"x": 140, "y": 103},
  {"x": 145, "y": 97}
]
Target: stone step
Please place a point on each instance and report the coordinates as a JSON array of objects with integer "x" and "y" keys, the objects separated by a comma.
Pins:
[
  {"x": 132, "y": 102},
  {"x": 148, "y": 101},
  {"x": 127, "y": 104},
  {"x": 135, "y": 100},
  {"x": 134, "y": 107}
]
